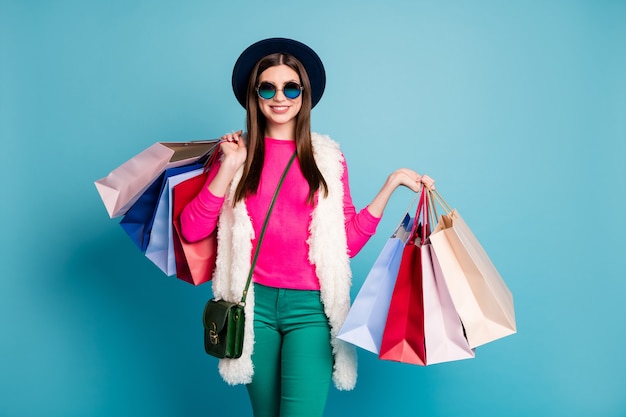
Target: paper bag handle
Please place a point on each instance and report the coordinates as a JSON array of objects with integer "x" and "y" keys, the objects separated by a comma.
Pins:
[
  {"x": 441, "y": 201},
  {"x": 422, "y": 213}
]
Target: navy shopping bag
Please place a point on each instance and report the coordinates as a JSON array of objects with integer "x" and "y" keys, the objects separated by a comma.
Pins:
[{"x": 138, "y": 220}]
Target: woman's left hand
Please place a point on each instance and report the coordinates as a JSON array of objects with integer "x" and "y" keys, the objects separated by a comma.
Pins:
[
  {"x": 400, "y": 177},
  {"x": 410, "y": 179}
]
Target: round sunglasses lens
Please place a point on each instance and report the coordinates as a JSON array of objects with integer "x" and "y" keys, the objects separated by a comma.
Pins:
[
  {"x": 291, "y": 90},
  {"x": 266, "y": 91}
]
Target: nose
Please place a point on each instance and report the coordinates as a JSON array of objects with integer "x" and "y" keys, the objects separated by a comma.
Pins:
[{"x": 282, "y": 96}]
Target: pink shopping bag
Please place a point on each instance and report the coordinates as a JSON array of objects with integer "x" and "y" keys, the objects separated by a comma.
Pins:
[
  {"x": 125, "y": 184},
  {"x": 443, "y": 331}
]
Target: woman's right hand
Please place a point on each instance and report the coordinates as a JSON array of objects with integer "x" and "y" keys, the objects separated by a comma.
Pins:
[
  {"x": 234, "y": 153},
  {"x": 234, "y": 150}
]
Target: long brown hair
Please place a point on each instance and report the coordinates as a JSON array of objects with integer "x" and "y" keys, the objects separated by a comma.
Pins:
[{"x": 256, "y": 124}]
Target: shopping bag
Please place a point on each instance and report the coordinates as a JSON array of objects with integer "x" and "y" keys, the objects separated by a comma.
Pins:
[
  {"x": 403, "y": 335},
  {"x": 195, "y": 261},
  {"x": 160, "y": 248},
  {"x": 482, "y": 300},
  {"x": 367, "y": 316},
  {"x": 125, "y": 184},
  {"x": 443, "y": 331},
  {"x": 138, "y": 220}
]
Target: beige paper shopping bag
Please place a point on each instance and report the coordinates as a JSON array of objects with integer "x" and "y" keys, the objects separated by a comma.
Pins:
[
  {"x": 124, "y": 185},
  {"x": 481, "y": 297}
]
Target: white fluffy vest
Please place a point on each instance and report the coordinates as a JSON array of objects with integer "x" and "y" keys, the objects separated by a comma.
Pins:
[{"x": 327, "y": 251}]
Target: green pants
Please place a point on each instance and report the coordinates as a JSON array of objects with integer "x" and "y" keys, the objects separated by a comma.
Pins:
[{"x": 292, "y": 358}]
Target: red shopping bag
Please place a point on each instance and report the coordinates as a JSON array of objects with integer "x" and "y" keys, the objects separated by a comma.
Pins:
[
  {"x": 403, "y": 337},
  {"x": 195, "y": 261}
]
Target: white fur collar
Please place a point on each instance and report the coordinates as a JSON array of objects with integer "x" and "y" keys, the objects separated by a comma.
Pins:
[{"x": 327, "y": 242}]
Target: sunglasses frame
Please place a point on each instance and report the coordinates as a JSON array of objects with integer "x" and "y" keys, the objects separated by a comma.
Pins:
[{"x": 276, "y": 90}]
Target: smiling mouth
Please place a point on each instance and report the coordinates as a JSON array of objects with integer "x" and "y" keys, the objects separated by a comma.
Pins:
[{"x": 280, "y": 109}]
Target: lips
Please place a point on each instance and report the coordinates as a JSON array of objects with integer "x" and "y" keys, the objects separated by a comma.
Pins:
[{"x": 280, "y": 109}]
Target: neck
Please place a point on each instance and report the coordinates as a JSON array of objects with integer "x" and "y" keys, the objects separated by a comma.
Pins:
[{"x": 281, "y": 132}]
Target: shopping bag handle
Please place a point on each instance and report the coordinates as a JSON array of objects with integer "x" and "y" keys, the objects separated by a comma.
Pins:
[
  {"x": 210, "y": 156},
  {"x": 405, "y": 213},
  {"x": 426, "y": 228},
  {"x": 421, "y": 217},
  {"x": 433, "y": 209},
  {"x": 440, "y": 200}
]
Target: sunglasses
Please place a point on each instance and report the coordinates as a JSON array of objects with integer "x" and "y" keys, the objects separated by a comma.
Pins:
[{"x": 267, "y": 91}]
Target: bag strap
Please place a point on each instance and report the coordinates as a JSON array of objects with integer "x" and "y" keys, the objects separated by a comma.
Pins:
[
  {"x": 210, "y": 156},
  {"x": 422, "y": 221},
  {"x": 433, "y": 208},
  {"x": 267, "y": 218},
  {"x": 441, "y": 201},
  {"x": 400, "y": 224}
]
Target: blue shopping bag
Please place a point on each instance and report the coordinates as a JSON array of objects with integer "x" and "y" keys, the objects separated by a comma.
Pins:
[
  {"x": 366, "y": 319},
  {"x": 160, "y": 248}
]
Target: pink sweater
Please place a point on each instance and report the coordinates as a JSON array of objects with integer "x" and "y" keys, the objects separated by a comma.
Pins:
[{"x": 283, "y": 260}]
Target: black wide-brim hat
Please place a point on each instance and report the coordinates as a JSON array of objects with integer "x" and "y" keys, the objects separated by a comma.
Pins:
[{"x": 253, "y": 54}]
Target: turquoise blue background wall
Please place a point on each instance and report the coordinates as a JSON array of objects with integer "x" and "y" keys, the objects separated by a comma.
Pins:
[{"x": 517, "y": 109}]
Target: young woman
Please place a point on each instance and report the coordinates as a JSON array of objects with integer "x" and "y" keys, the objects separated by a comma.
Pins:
[{"x": 301, "y": 283}]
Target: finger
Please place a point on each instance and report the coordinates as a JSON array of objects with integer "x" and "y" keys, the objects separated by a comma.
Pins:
[
  {"x": 237, "y": 136},
  {"x": 428, "y": 182}
]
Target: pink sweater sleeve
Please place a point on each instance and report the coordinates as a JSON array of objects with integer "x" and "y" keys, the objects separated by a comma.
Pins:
[
  {"x": 199, "y": 218},
  {"x": 361, "y": 226}
]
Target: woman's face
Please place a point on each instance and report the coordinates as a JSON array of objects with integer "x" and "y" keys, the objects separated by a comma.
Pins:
[{"x": 280, "y": 112}]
